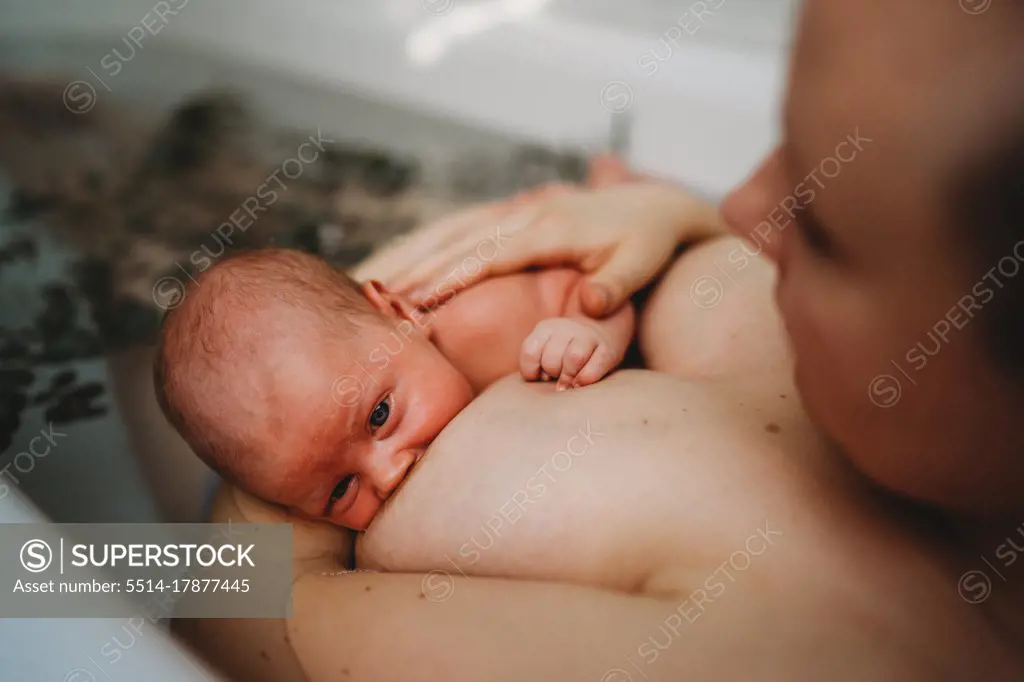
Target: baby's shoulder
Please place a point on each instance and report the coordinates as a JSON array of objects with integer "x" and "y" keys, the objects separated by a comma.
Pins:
[
  {"x": 515, "y": 300},
  {"x": 548, "y": 288},
  {"x": 481, "y": 329}
]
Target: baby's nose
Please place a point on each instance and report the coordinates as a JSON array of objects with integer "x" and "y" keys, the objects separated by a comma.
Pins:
[{"x": 390, "y": 469}]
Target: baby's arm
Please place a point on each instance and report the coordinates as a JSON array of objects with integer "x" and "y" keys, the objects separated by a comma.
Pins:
[{"x": 575, "y": 349}]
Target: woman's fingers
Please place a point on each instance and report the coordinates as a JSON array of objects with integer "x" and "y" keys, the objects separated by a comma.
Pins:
[
  {"x": 392, "y": 263},
  {"x": 543, "y": 193},
  {"x": 516, "y": 243},
  {"x": 434, "y": 267},
  {"x": 627, "y": 270},
  {"x": 606, "y": 170},
  {"x": 465, "y": 259},
  {"x": 418, "y": 259},
  {"x": 483, "y": 230},
  {"x": 618, "y": 235}
]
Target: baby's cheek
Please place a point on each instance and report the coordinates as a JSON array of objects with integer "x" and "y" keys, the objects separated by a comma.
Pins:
[{"x": 458, "y": 394}]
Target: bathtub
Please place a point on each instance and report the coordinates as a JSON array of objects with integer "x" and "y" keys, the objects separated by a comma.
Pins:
[{"x": 685, "y": 94}]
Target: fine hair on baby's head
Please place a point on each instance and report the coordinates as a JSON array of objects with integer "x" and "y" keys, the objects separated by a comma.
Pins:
[{"x": 223, "y": 348}]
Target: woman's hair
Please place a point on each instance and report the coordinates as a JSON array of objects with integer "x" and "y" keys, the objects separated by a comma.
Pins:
[{"x": 988, "y": 205}]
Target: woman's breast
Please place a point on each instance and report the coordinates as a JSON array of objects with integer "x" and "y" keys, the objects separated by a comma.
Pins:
[{"x": 608, "y": 485}]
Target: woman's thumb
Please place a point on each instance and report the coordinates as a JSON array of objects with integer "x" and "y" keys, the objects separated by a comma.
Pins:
[
  {"x": 597, "y": 299},
  {"x": 626, "y": 272}
]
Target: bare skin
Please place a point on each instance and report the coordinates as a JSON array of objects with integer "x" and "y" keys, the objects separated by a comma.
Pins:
[
  {"x": 866, "y": 585},
  {"x": 528, "y": 323},
  {"x": 731, "y": 471},
  {"x": 404, "y": 380},
  {"x": 393, "y": 375}
]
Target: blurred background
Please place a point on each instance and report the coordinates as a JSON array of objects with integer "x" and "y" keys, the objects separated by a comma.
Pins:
[
  {"x": 130, "y": 131},
  {"x": 141, "y": 139}
]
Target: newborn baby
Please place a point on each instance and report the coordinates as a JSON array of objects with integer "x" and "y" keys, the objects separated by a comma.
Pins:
[{"x": 275, "y": 349}]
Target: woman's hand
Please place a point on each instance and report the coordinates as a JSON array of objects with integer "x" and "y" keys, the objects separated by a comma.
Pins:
[
  {"x": 619, "y": 235},
  {"x": 401, "y": 256}
]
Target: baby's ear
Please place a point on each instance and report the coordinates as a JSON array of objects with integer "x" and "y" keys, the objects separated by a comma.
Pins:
[
  {"x": 379, "y": 297},
  {"x": 396, "y": 306}
]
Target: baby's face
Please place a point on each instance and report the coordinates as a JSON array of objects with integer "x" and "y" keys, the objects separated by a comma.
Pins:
[{"x": 390, "y": 393}]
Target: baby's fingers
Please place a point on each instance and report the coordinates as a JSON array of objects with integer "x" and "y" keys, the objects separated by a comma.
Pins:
[
  {"x": 600, "y": 363},
  {"x": 552, "y": 360},
  {"x": 574, "y": 359},
  {"x": 531, "y": 353}
]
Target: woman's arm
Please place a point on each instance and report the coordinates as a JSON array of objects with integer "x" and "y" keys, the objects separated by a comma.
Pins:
[
  {"x": 390, "y": 627},
  {"x": 387, "y": 627},
  {"x": 254, "y": 649},
  {"x": 408, "y": 627}
]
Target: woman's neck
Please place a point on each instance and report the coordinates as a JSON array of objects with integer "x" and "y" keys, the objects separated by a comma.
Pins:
[{"x": 991, "y": 556}]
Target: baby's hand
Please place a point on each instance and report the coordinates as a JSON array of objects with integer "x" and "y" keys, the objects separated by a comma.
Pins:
[{"x": 576, "y": 352}]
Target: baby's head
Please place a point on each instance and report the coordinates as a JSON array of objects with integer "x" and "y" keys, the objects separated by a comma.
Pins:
[{"x": 301, "y": 387}]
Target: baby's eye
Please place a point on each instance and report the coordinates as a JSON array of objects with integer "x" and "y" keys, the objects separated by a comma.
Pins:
[
  {"x": 339, "y": 491},
  {"x": 380, "y": 414}
]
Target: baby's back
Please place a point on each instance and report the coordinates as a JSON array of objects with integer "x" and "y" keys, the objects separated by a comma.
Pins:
[{"x": 481, "y": 330}]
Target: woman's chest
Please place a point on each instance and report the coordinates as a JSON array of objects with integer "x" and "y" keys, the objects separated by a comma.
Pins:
[{"x": 602, "y": 486}]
